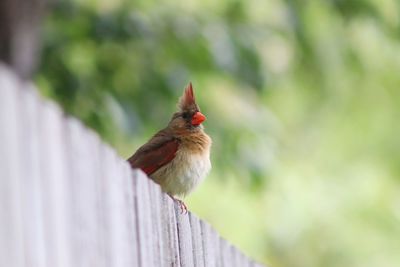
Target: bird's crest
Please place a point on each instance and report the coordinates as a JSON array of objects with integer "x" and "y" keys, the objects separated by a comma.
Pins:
[{"x": 187, "y": 100}]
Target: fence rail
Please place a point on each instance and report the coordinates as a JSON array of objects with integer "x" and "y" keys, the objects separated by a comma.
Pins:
[{"x": 67, "y": 199}]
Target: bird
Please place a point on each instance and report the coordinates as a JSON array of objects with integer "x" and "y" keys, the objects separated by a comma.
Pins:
[{"x": 178, "y": 156}]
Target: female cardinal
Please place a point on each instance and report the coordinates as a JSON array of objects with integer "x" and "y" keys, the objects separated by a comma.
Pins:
[{"x": 178, "y": 156}]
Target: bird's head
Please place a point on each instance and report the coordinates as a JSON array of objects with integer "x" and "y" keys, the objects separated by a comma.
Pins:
[{"x": 189, "y": 115}]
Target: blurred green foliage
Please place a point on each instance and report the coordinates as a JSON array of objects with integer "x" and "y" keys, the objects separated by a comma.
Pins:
[{"x": 302, "y": 102}]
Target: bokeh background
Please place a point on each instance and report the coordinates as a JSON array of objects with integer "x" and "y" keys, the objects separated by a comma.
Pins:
[{"x": 302, "y": 101}]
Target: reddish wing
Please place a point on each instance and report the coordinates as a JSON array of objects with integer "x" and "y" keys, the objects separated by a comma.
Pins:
[{"x": 159, "y": 151}]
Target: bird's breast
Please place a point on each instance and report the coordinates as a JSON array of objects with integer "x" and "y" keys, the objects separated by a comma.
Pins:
[{"x": 184, "y": 172}]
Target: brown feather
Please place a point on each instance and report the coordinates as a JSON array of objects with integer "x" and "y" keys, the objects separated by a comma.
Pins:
[{"x": 160, "y": 150}]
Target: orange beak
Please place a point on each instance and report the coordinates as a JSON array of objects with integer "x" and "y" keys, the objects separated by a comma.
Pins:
[{"x": 198, "y": 118}]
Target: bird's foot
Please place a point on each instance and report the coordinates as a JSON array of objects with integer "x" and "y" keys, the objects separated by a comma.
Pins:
[{"x": 182, "y": 204}]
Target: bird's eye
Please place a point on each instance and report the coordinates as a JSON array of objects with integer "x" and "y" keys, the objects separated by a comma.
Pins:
[{"x": 185, "y": 115}]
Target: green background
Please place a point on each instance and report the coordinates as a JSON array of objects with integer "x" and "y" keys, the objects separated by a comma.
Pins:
[{"x": 302, "y": 102}]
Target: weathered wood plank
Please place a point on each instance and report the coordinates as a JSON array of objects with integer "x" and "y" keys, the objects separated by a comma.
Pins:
[
  {"x": 31, "y": 186},
  {"x": 156, "y": 215},
  {"x": 170, "y": 232},
  {"x": 144, "y": 220},
  {"x": 184, "y": 237},
  {"x": 108, "y": 168},
  {"x": 54, "y": 175},
  {"x": 238, "y": 258},
  {"x": 83, "y": 163},
  {"x": 11, "y": 239},
  {"x": 119, "y": 234},
  {"x": 198, "y": 252},
  {"x": 211, "y": 245},
  {"x": 130, "y": 210},
  {"x": 226, "y": 259}
]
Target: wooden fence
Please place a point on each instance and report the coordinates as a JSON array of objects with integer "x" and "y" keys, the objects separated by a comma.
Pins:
[{"x": 67, "y": 199}]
